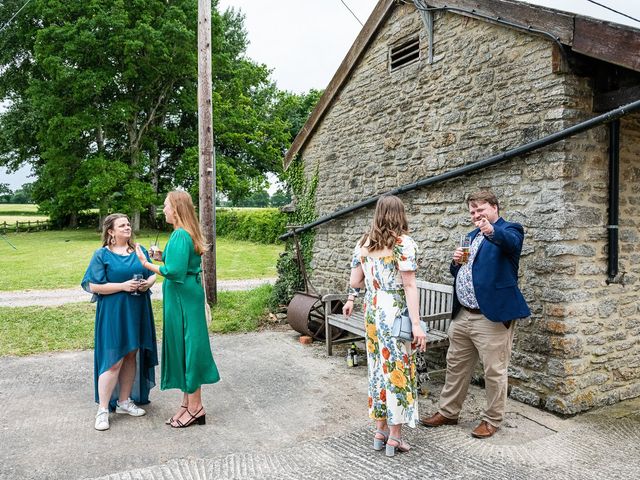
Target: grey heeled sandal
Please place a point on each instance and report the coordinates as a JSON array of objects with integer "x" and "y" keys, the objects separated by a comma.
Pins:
[
  {"x": 401, "y": 447},
  {"x": 379, "y": 443}
]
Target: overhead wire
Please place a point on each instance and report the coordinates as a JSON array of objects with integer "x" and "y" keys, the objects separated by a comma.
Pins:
[
  {"x": 351, "y": 11},
  {"x": 613, "y": 10},
  {"x": 14, "y": 16}
]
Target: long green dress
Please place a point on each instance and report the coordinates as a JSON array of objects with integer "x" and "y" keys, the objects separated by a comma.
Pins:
[{"x": 187, "y": 362}]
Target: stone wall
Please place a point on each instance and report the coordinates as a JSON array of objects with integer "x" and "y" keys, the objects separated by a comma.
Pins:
[{"x": 490, "y": 89}]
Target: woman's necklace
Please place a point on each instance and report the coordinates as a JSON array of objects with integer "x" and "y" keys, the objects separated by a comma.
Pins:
[{"x": 120, "y": 250}]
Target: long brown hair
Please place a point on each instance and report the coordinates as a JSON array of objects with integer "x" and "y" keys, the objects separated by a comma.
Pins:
[
  {"x": 389, "y": 222},
  {"x": 185, "y": 217},
  {"x": 108, "y": 224}
]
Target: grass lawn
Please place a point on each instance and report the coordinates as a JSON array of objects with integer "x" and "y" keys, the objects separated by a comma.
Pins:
[
  {"x": 58, "y": 259},
  {"x": 31, "y": 330}
]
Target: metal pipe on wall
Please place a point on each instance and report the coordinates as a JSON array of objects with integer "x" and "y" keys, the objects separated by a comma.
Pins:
[
  {"x": 614, "y": 200},
  {"x": 481, "y": 164}
]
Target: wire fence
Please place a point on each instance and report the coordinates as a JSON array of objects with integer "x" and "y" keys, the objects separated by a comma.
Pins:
[{"x": 28, "y": 226}]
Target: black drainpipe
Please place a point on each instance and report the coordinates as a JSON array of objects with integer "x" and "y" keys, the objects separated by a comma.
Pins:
[
  {"x": 614, "y": 196},
  {"x": 608, "y": 117}
]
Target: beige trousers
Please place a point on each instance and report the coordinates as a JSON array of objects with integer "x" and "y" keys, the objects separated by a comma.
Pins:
[{"x": 473, "y": 336}]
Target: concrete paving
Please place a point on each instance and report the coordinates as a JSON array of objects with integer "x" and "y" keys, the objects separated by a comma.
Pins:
[{"x": 286, "y": 411}]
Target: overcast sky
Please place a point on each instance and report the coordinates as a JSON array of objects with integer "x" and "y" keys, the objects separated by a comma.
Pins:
[{"x": 304, "y": 41}]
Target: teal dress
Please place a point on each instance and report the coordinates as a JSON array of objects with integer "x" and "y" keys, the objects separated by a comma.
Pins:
[
  {"x": 124, "y": 322},
  {"x": 187, "y": 362}
]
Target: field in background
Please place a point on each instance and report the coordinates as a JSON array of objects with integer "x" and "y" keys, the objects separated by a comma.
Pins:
[
  {"x": 19, "y": 208},
  {"x": 59, "y": 258},
  {"x": 13, "y": 212}
]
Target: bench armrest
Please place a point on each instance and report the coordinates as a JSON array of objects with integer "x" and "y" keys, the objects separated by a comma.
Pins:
[{"x": 330, "y": 297}]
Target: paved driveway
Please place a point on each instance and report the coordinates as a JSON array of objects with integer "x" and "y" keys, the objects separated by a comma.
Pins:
[{"x": 284, "y": 410}]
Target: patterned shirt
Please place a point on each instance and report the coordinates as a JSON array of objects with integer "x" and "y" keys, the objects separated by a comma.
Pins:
[{"x": 464, "y": 281}]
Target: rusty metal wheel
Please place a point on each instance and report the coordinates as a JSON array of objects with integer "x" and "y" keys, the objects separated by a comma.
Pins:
[{"x": 305, "y": 314}]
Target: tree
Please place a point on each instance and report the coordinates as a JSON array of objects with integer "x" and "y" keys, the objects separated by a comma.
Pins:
[
  {"x": 294, "y": 110},
  {"x": 258, "y": 199},
  {"x": 102, "y": 104},
  {"x": 91, "y": 83},
  {"x": 23, "y": 195},
  {"x": 280, "y": 197},
  {"x": 5, "y": 193}
]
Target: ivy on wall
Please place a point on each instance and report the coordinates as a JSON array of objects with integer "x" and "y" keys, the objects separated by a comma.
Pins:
[{"x": 290, "y": 278}]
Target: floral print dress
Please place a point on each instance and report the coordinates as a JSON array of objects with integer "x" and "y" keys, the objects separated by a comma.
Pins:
[{"x": 391, "y": 362}]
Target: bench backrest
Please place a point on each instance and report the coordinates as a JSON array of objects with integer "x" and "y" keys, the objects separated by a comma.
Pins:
[{"x": 435, "y": 298}]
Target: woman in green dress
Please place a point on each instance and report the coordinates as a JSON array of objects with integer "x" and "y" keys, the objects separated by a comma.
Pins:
[{"x": 187, "y": 362}]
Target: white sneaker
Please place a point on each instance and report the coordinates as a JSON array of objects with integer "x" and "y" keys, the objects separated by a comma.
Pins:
[
  {"x": 129, "y": 408},
  {"x": 102, "y": 419}
]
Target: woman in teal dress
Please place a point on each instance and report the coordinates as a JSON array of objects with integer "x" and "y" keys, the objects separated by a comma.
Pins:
[
  {"x": 187, "y": 362},
  {"x": 125, "y": 352}
]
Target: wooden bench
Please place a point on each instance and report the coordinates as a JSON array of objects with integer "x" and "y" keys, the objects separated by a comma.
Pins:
[{"x": 436, "y": 304}]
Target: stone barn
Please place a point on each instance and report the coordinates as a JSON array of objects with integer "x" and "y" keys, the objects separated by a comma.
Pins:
[{"x": 429, "y": 90}]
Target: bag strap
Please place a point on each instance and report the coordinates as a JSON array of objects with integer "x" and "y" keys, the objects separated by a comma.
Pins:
[{"x": 207, "y": 309}]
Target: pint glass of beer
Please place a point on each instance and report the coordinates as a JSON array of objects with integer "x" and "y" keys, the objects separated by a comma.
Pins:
[{"x": 464, "y": 245}]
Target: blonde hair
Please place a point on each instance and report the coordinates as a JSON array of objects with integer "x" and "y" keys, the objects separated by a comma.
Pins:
[
  {"x": 389, "y": 222},
  {"x": 108, "y": 224},
  {"x": 185, "y": 216}
]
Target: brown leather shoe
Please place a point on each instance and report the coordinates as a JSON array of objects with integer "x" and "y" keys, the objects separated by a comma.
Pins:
[
  {"x": 484, "y": 430},
  {"x": 438, "y": 420}
]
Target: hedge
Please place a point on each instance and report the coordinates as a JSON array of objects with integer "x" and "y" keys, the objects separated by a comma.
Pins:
[{"x": 260, "y": 225}]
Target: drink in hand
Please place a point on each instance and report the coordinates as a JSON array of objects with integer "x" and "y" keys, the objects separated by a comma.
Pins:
[
  {"x": 138, "y": 278},
  {"x": 465, "y": 246}
]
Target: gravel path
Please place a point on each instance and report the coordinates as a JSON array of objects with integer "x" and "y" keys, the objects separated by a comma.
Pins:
[{"x": 25, "y": 298}]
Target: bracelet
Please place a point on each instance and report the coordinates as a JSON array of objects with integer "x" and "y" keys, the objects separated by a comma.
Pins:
[{"x": 350, "y": 299}]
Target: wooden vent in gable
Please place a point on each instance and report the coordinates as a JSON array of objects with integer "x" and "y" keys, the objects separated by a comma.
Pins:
[{"x": 404, "y": 54}]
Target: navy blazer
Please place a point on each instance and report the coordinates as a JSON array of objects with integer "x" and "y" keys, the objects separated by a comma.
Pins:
[{"x": 495, "y": 274}]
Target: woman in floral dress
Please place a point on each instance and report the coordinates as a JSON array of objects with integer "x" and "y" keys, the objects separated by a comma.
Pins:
[{"x": 384, "y": 261}]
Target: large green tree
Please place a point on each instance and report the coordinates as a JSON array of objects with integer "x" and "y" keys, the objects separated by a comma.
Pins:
[
  {"x": 102, "y": 103},
  {"x": 87, "y": 82}
]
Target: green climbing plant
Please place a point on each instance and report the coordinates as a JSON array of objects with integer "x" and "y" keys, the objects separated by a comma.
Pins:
[{"x": 290, "y": 278}]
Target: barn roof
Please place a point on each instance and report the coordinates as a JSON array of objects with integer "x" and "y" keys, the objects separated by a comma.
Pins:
[{"x": 605, "y": 41}]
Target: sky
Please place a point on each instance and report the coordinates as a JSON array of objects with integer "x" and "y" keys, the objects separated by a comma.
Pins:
[{"x": 304, "y": 41}]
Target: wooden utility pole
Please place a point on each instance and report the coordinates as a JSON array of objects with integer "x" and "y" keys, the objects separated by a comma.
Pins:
[{"x": 206, "y": 150}]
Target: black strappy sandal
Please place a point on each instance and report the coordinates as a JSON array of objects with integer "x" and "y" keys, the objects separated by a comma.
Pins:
[
  {"x": 194, "y": 419},
  {"x": 171, "y": 419}
]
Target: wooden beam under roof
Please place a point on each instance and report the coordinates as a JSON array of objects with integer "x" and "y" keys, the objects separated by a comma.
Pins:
[{"x": 612, "y": 43}]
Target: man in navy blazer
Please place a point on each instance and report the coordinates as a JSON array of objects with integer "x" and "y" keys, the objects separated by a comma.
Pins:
[{"x": 486, "y": 301}]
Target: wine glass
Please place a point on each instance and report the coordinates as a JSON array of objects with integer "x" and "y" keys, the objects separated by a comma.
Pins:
[
  {"x": 154, "y": 247},
  {"x": 152, "y": 251},
  {"x": 138, "y": 278}
]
